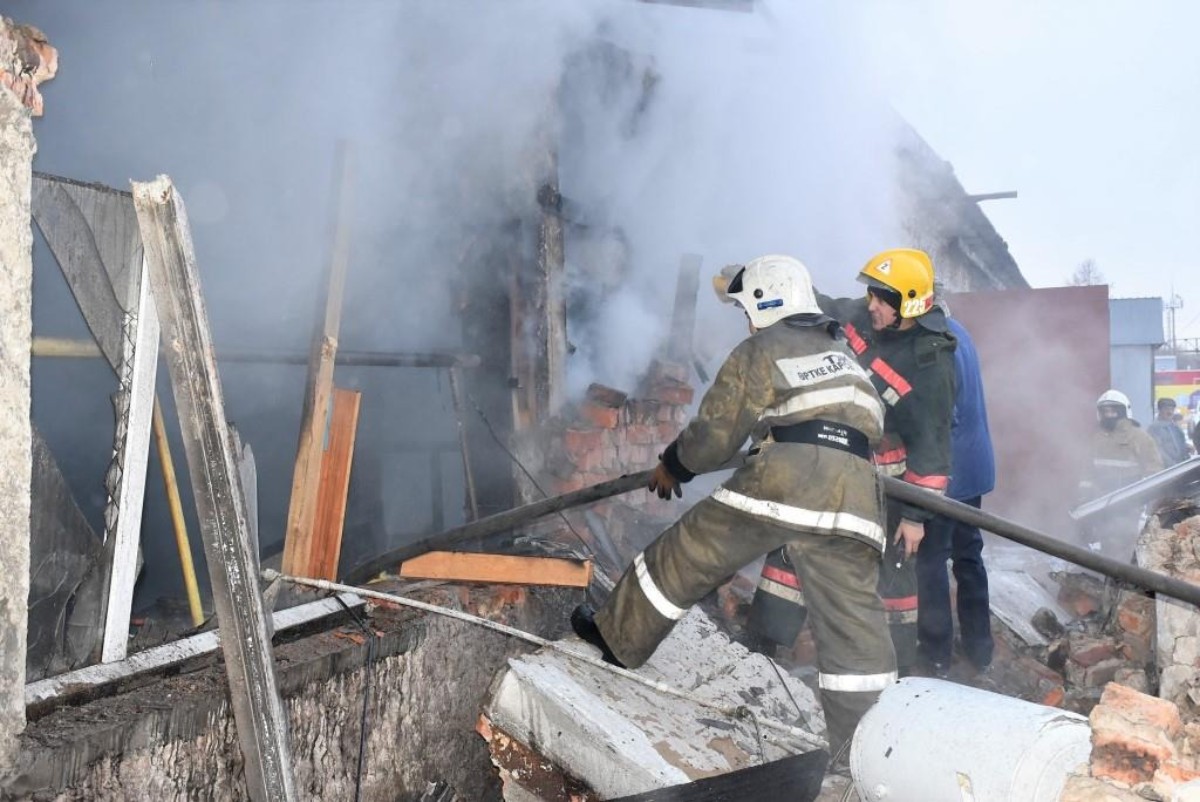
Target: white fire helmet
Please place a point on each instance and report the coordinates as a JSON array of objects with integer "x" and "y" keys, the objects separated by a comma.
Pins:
[
  {"x": 1115, "y": 398},
  {"x": 770, "y": 288}
]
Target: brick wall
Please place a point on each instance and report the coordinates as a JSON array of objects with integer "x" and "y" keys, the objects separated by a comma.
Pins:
[{"x": 611, "y": 433}]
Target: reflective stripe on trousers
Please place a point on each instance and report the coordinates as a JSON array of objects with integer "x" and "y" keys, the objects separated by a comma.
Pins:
[
  {"x": 799, "y": 516},
  {"x": 855, "y": 683},
  {"x": 655, "y": 596}
]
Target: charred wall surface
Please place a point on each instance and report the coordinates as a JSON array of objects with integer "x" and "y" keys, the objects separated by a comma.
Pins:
[{"x": 174, "y": 739}]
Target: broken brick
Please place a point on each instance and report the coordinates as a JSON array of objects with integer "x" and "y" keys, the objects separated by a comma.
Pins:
[
  {"x": 1103, "y": 672},
  {"x": 1054, "y": 697},
  {"x": 604, "y": 396},
  {"x": 1132, "y": 734},
  {"x": 676, "y": 394},
  {"x": 670, "y": 371},
  {"x": 1135, "y": 614},
  {"x": 1092, "y": 651},
  {"x": 1078, "y": 601},
  {"x": 1142, "y": 708},
  {"x": 602, "y": 416},
  {"x": 641, "y": 410}
]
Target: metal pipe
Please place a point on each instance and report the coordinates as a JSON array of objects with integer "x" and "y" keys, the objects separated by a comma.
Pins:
[
  {"x": 1142, "y": 490},
  {"x": 902, "y": 491},
  {"x": 66, "y": 348},
  {"x": 500, "y": 522},
  {"x": 986, "y": 196},
  {"x": 182, "y": 543},
  {"x": 1150, "y": 580}
]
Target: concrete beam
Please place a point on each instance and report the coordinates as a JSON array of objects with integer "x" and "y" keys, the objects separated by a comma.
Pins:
[
  {"x": 16, "y": 287},
  {"x": 621, "y": 738}
]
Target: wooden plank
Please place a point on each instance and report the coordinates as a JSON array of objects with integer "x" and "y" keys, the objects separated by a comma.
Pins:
[
  {"x": 91, "y": 678},
  {"x": 462, "y": 566},
  {"x": 335, "y": 483},
  {"x": 139, "y": 373},
  {"x": 795, "y": 779},
  {"x": 306, "y": 477},
  {"x": 220, "y": 502}
]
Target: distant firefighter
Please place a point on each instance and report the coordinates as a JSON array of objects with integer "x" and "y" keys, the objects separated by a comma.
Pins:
[{"x": 1120, "y": 453}]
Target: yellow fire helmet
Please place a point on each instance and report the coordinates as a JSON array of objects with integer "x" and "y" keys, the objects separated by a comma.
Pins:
[{"x": 906, "y": 271}]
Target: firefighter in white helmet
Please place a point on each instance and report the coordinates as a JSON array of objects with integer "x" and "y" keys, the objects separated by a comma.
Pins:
[
  {"x": 899, "y": 336},
  {"x": 795, "y": 388},
  {"x": 1121, "y": 451}
]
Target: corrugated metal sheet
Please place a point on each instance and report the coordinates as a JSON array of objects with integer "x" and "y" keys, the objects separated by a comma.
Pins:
[{"x": 1136, "y": 321}]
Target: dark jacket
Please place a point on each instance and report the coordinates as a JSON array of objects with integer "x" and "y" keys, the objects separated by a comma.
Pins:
[
  {"x": 973, "y": 464},
  {"x": 913, "y": 371},
  {"x": 1170, "y": 441}
]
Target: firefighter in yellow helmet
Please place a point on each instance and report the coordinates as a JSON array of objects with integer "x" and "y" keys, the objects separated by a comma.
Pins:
[
  {"x": 793, "y": 387},
  {"x": 900, "y": 336}
]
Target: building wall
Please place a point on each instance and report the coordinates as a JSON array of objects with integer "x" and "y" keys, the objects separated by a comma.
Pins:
[
  {"x": 16, "y": 244},
  {"x": 1132, "y": 371}
]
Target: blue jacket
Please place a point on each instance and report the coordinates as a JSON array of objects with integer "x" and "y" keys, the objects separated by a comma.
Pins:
[{"x": 973, "y": 464}]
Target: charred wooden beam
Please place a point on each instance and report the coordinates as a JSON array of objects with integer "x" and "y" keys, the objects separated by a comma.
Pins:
[
  {"x": 318, "y": 390},
  {"x": 220, "y": 501}
]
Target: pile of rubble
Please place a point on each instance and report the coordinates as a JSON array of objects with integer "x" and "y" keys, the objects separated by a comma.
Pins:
[{"x": 1141, "y": 750}]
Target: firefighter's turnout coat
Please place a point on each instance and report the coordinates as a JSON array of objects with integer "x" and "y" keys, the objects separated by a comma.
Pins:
[
  {"x": 813, "y": 415},
  {"x": 913, "y": 371},
  {"x": 1119, "y": 457}
]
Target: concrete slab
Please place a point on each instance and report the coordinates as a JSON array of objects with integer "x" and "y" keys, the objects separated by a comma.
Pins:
[{"x": 623, "y": 738}]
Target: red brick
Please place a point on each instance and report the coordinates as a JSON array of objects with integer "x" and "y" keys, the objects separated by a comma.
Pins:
[
  {"x": 1116, "y": 762},
  {"x": 1136, "y": 615},
  {"x": 672, "y": 371},
  {"x": 590, "y": 460},
  {"x": 604, "y": 417},
  {"x": 604, "y": 396},
  {"x": 1093, "y": 652},
  {"x": 577, "y": 441},
  {"x": 642, "y": 410},
  {"x": 1132, "y": 734},
  {"x": 676, "y": 394},
  {"x": 1179, "y": 773},
  {"x": 1103, "y": 672},
  {"x": 1142, "y": 708},
  {"x": 641, "y": 433},
  {"x": 1077, "y": 601},
  {"x": 1054, "y": 697},
  {"x": 667, "y": 432}
]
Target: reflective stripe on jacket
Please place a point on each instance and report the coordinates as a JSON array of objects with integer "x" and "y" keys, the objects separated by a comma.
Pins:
[{"x": 797, "y": 370}]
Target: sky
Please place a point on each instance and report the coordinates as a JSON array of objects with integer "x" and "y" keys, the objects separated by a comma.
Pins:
[{"x": 1089, "y": 110}]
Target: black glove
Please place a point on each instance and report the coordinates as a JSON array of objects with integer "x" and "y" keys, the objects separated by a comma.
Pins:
[{"x": 664, "y": 483}]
